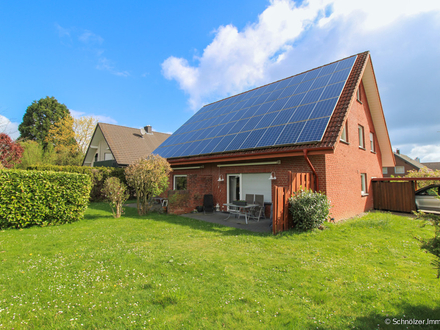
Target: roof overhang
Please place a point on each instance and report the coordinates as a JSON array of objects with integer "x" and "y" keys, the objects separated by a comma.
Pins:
[{"x": 377, "y": 115}]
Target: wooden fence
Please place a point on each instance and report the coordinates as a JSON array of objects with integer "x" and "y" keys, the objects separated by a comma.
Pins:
[
  {"x": 281, "y": 217},
  {"x": 394, "y": 196}
]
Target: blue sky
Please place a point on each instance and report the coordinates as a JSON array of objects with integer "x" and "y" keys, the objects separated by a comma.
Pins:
[{"x": 137, "y": 63}]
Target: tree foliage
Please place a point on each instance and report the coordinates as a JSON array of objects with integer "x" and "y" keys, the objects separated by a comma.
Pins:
[
  {"x": 39, "y": 118},
  {"x": 84, "y": 127},
  {"x": 116, "y": 193},
  {"x": 424, "y": 173},
  {"x": 10, "y": 151},
  {"x": 149, "y": 177}
]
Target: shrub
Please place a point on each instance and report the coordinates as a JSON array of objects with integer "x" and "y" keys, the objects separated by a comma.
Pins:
[
  {"x": 29, "y": 198},
  {"x": 116, "y": 193},
  {"x": 309, "y": 209},
  {"x": 149, "y": 178},
  {"x": 97, "y": 174}
]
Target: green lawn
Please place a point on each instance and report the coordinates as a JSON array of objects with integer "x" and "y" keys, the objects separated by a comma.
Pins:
[{"x": 169, "y": 272}]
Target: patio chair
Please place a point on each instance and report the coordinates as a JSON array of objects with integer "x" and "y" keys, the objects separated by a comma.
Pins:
[
  {"x": 250, "y": 198},
  {"x": 208, "y": 203},
  {"x": 259, "y": 210}
]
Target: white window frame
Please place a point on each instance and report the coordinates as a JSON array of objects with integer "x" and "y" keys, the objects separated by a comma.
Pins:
[
  {"x": 396, "y": 171},
  {"x": 372, "y": 142},
  {"x": 344, "y": 134},
  {"x": 361, "y": 136},
  {"x": 364, "y": 189},
  {"x": 180, "y": 176},
  {"x": 358, "y": 94}
]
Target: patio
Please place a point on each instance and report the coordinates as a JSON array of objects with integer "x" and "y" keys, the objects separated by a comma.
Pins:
[{"x": 262, "y": 226}]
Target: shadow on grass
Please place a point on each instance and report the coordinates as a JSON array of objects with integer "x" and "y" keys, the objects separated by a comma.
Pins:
[{"x": 408, "y": 317}]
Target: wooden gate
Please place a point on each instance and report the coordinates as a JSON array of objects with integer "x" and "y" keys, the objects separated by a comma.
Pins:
[
  {"x": 281, "y": 217},
  {"x": 394, "y": 196}
]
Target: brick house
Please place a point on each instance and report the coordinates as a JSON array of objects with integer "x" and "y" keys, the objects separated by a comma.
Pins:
[
  {"x": 119, "y": 146},
  {"x": 404, "y": 164},
  {"x": 327, "y": 121}
]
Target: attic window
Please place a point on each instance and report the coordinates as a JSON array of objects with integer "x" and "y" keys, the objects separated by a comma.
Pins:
[
  {"x": 344, "y": 135},
  {"x": 361, "y": 137},
  {"x": 372, "y": 142},
  {"x": 358, "y": 94}
]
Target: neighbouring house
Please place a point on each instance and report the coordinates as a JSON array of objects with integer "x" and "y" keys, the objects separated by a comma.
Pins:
[
  {"x": 404, "y": 164},
  {"x": 435, "y": 166},
  {"x": 327, "y": 121},
  {"x": 119, "y": 146}
]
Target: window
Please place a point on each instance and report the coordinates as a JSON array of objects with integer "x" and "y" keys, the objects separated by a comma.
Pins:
[
  {"x": 364, "y": 184},
  {"x": 361, "y": 137},
  {"x": 399, "y": 170},
  {"x": 372, "y": 142},
  {"x": 384, "y": 170},
  {"x": 344, "y": 136},
  {"x": 358, "y": 94},
  {"x": 108, "y": 156},
  {"x": 180, "y": 182}
]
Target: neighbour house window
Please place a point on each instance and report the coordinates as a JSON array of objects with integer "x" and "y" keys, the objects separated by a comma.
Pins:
[
  {"x": 384, "y": 170},
  {"x": 180, "y": 182},
  {"x": 108, "y": 156},
  {"x": 344, "y": 136},
  {"x": 361, "y": 137},
  {"x": 363, "y": 183},
  {"x": 372, "y": 142},
  {"x": 96, "y": 157},
  {"x": 399, "y": 170}
]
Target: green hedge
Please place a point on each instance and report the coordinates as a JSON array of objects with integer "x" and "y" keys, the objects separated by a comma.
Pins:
[
  {"x": 97, "y": 174},
  {"x": 29, "y": 198}
]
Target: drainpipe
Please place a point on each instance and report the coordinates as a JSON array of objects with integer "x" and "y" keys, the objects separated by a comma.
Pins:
[{"x": 313, "y": 169}]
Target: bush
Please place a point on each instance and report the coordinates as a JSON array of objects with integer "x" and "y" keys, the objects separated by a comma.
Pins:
[
  {"x": 116, "y": 193},
  {"x": 29, "y": 198},
  {"x": 97, "y": 174},
  {"x": 309, "y": 209}
]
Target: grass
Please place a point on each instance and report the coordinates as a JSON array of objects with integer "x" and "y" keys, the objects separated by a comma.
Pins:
[{"x": 168, "y": 272}]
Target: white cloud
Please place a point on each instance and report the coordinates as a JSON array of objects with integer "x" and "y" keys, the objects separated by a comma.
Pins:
[
  {"x": 238, "y": 60},
  {"x": 8, "y": 127},
  {"x": 89, "y": 37},
  {"x": 101, "y": 118},
  {"x": 108, "y": 65},
  {"x": 426, "y": 153}
]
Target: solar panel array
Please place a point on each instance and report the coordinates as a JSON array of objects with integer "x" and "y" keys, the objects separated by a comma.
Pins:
[{"x": 291, "y": 111}]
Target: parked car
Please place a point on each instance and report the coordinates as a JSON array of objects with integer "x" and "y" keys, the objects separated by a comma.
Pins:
[{"x": 427, "y": 199}]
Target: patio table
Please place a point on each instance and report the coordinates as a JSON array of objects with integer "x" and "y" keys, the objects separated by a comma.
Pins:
[{"x": 240, "y": 210}]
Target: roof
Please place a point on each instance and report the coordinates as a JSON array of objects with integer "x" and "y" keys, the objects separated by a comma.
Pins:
[
  {"x": 433, "y": 165},
  {"x": 409, "y": 160},
  {"x": 310, "y": 130},
  {"x": 127, "y": 144}
]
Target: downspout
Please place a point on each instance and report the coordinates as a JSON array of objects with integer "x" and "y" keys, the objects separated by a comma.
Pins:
[{"x": 313, "y": 169}]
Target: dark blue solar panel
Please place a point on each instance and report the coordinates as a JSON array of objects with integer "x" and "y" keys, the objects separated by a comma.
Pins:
[
  {"x": 238, "y": 126},
  {"x": 333, "y": 90},
  {"x": 270, "y": 136},
  {"x": 266, "y": 120},
  {"x": 237, "y": 141},
  {"x": 312, "y": 74},
  {"x": 283, "y": 116},
  {"x": 250, "y": 125},
  {"x": 221, "y": 146},
  {"x": 274, "y": 95},
  {"x": 253, "y": 139},
  {"x": 293, "y": 110},
  {"x": 324, "y": 108},
  {"x": 312, "y": 96},
  {"x": 313, "y": 130},
  {"x": 294, "y": 101},
  {"x": 302, "y": 113},
  {"x": 290, "y": 133}
]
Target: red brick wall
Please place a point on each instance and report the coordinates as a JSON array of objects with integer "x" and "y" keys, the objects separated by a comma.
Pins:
[{"x": 344, "y": 167}]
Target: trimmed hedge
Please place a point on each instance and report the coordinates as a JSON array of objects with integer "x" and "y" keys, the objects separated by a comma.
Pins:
[
  {"x": 97, "y": 174},
  {"x": 29, "y": 198}
]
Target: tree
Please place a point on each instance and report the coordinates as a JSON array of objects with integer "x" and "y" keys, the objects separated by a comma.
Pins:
[
  {"x": 424, "y": 173},
  {"x": 116, "y": 193},
  {"x": 84, "y": 127},
  {"x": 33, "y": 154},
  {"x": 10, "y": 151},
  {"x": 149, "y": 177},
  {"x": 40, "y": 117}
]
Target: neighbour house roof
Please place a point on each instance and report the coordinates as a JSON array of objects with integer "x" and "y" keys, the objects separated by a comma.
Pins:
[
  {"x": 125, "y": 143},
  {"x": 433, "y": 166},
  {"x": 305, "y": 111},
  {"x": 409, "y": 160}
]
